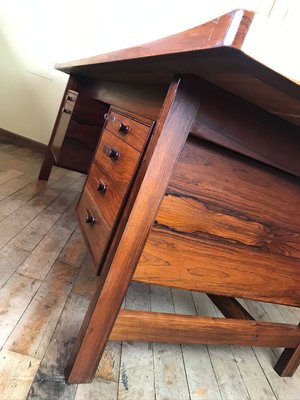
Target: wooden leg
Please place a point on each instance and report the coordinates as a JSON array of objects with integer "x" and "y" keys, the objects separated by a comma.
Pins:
[
  {"x": 170, "y": 134},
  {"x": 47, "y": 165},
  {"x": 289, "y": 361},
  {"x": 230, "y": 307}
]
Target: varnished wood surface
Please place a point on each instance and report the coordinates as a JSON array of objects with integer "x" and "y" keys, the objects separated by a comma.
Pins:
[
  {"x": 168, "y": 138},
  {"x": 157, "y": 327},
  {"x": 226, "y": 226},
  {"x": 115, "y": 174},
  {"x": 144, "y": 100},
  {"x": 82, "y": 134},
  {"x": 288, "y": 361},
  {"x": 235, "y": 124},
  {"x": 212, "y": 51},
  {"x": 98, "y": 234},
  {"x": 137, "y": 134},
  {"x": 105, "y": 206}
]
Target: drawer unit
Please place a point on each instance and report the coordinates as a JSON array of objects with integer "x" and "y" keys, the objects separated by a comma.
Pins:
[
  {"x": 106, "y": 187},
  {"x": 129, "y": 130}
]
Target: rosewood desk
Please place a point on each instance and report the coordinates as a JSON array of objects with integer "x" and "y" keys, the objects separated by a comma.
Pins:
[{"x": 194, "y": 184}]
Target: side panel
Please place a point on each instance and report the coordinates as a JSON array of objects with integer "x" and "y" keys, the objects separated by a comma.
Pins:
[{"x": 227, "y": 225}]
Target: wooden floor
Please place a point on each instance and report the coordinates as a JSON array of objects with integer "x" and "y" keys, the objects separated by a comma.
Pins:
[{"x": 46, "y": 283}]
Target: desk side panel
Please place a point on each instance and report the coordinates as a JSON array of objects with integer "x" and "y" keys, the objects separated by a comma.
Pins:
[{"x": 227, "y": 225}]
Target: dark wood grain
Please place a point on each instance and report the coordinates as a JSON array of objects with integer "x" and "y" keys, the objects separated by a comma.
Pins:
[
  {"x": 226, "y": 226},
  {"x": 250, "y": 190},
  {"x": 235, "y": 124},
  {"x": 82, "y": 135},
  {"x": 230, "y": 307},
  {"x": 137, "y": 134},
  {"x": 143, "y": 100},
  {"x": 162, "y": 327},
  {"x": 211, "y": 267},
  {"x": 168, "y": 139},
  {"x": 288, "y": 362}
]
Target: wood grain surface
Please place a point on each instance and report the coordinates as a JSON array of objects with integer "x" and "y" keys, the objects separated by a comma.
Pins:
[
  {"x": 164, "y": 327},
  {"x": 227, "y": 226},
  {"x": 235, "y": 124},
  {"x": 138, "y": 131}
]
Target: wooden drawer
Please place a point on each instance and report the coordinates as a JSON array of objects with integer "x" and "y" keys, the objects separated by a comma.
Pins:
[
  {"x": 105, "y": 190},
  {"x": 116, "y": 174},
  {"x": 98, "y": 232},
  {"x": 127, "y": 128}
]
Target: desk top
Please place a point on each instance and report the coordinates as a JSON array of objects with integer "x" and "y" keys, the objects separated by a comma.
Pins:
[{"x": 212, "y": 51}]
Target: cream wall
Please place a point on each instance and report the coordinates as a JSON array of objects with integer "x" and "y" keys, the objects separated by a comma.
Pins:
[{"x": 36, "y": 34}]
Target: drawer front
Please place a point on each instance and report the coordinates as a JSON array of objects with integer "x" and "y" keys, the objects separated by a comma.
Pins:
[
  {"x": 117, "y": 172},
  {"x": 96, "y": 230},
  {"x": 105, "y": 192},
  {"x": 129, "y": 130}
]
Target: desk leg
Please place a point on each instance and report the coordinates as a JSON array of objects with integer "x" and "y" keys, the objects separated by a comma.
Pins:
[
  {"x": 169, "y": 137},
  {"x": 288, "y": 362},
  {"x": 47, "y": 165}
]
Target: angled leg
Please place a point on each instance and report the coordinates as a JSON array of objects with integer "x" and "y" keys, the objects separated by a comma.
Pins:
[
  {"x": 230, "y": 307},
  {"x": 170, "y": 134},
  {"x": 47, "y": 165},
  {"x": 289, "y": 361}
]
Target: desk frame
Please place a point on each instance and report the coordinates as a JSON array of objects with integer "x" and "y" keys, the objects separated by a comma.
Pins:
[{"x": 105, "y": 321}]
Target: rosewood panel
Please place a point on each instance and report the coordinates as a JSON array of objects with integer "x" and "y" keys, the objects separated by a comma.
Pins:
[{"x": 228, "y": 226}]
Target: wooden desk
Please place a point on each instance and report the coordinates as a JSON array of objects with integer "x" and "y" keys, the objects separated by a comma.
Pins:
[{"x": 194, "y": 185}]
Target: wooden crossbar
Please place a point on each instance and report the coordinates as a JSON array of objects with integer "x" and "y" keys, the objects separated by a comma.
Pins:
[{"x": 176, "y": 328}]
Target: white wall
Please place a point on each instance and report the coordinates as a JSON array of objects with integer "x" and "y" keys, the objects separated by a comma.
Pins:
[{"x": 36, "y": 34}]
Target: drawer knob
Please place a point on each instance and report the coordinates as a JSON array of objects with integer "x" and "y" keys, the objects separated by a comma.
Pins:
[
  {"x": 110, "y": 152},
  {"x": 101, "y": 186},
  {"x": 123, "y": 128},
  {"x": 89, "y": 217}
]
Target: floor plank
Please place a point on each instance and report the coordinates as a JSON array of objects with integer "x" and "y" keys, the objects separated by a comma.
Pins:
[
  {"x": 137, "y": 368},
  {"x": 16, "y": 375},
  {"x": 74, "y": 251},
  {"x": 34, "y": 330},
  {"x": 196, "y": 358},
  {"x": 170, "y": 374},
  {"x": 15, "y": 296}
]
